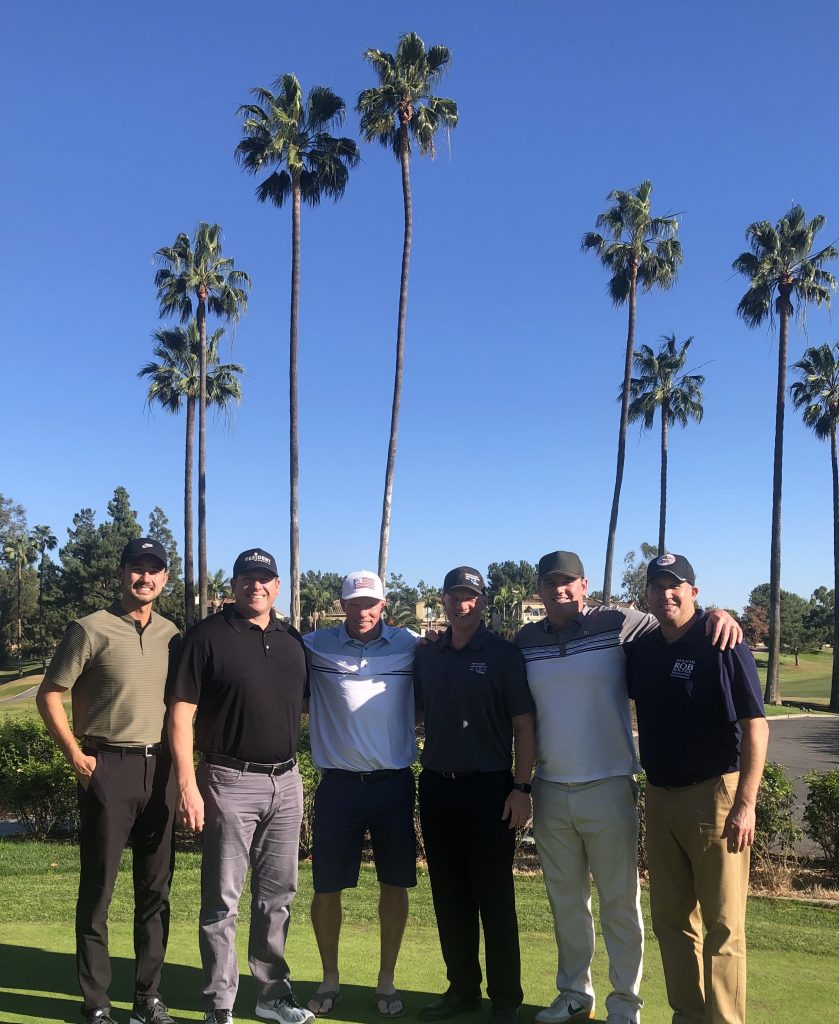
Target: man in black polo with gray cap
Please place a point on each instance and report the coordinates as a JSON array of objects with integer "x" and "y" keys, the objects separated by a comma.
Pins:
[
  {"x": 115, "y": 662},
  {"x": 243, "y": 675},
  {"x": 472, "y": 690}
]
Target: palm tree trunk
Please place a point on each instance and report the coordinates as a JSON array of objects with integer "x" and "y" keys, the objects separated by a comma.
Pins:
[
  {"x": 19, "y": 622},
  {"x": 662, "y": 506},
  {"x": 616, "y": 497},
  {"x": 42, "y": 635},
  {"x": 387, "y": 501},
  {"x": 189, "y": 540},
  {"x": 834, "y": 682},
  {"x": 772, "y": 694},
  {"x": 202, "y": 459},
  {"x": 293, "y": 439}
]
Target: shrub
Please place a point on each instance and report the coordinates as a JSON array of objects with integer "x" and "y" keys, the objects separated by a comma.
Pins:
[
  {"x": 37, "y": 785},
  {"x": 821, "y": 814},
  {"x": 776, "y": 830}
]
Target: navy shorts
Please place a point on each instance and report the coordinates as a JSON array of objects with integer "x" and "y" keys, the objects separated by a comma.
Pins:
[{"x": 345, "y": 808}]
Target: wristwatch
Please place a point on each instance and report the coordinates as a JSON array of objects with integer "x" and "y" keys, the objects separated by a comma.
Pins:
[{"x": 522, "y": 787}]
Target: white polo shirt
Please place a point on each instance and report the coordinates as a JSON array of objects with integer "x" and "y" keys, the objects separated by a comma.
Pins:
[{"x": 361, "y": 703}]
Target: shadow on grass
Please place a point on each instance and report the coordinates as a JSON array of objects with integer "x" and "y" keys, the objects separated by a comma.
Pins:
[{"x": 47, "y": 990}]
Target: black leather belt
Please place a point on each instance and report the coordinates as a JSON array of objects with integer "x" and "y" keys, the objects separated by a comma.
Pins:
[
  {"x": 374, "y": 776},
  {"x": 91, "y": 746},
  {"x": 452, "y": 775},
  {"x": 250, "y": 766}
]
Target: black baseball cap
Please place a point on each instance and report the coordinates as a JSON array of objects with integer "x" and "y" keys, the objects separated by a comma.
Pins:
[
  {"x": 565, "y": 562},
  {"x": 672, "y": 565},
  {"x": 464, "y": 576},
  {"x": 141, "y": 546},
  {"x": 253, "y": 560}
]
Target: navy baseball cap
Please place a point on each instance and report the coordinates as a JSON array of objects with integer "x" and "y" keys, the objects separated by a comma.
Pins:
[
  {"x": 464, "y": 576},
  {"x": 255, "y": 560},
  {"x": 141, "y": 546},
  {"x": 672, "y": 565}
]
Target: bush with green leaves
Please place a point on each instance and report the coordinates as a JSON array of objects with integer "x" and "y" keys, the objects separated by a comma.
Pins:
[
  {"x": 821, "y": 814},
  {"x": 776, "y": 830},
  {"x": 37, "y": 785}
]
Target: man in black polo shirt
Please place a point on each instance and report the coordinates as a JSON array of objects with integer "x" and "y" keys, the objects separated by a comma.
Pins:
[
  {"x": 244, "y": 673},
  {"x": 472, "y": 691},
  {"x": 702, "y": 737},
  {"x": 115, "y": 663}
]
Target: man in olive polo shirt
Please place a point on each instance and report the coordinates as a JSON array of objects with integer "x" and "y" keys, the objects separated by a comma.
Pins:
[
  {"x": 472, "y": 690},
  {"x": 244, "y": 673},
  {"x": 115, "y": 662}
]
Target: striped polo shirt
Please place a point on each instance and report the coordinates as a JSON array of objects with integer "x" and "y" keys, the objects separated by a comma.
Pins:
[
  {"x": 361, "y": 705},
  {"x": 577, "y": 676},
  {"x": 117, "y": 674}
]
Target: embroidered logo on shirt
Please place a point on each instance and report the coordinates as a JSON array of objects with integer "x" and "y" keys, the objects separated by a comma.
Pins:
[
  {"x": 478, "y": 666},
  {"x": 683, "y": 668}
]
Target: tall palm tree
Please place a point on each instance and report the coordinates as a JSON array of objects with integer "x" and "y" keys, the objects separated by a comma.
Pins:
[
  {"x": 640, "y": 251},
  {"x": 781, "y": 264},
  {"x": 662, "y": 385},
  {"x": 198, "y": 268},
  {"x": 291, "y": 137},
  {"x": 21, "y": 553},
  {"x": 43, "y": 540},
  {"x": 402, "y": 109},
  {"x": 218, "y": 586},
  {"x": 817, "y": 395},
  {"x": 316, "y": 599},
  {"x": 176, "y": 379}
]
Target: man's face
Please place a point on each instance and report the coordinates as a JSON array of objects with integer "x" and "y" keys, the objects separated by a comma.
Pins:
[
  {"x": 142, "y": 580},
  {"x": 363, "y": 615},
  {"x": 255, "y": 592},
  {"x": 563, "y": 596},
  {"x": 671, "y": 600},
  {"x": 464, "y": 608}
]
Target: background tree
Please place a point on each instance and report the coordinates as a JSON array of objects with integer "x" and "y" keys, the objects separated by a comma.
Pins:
[
  {"x": 318, "y": 594},
  {"x": 171, "y": 602},
  {"x": 662, "y": 387},
  {"x": 781, "y": 264},
  {"x": 283, "y": 132},
  {"x": 640, "y": 251},
  {"x": 218, "y": 590},
  {"x": 634, "y": 576},
  {"x": 522, "y": 576},
  {"x": 755, "y": 623},
  {"x": 198, "y": 268},
  {"x": 400, "y": 111},
  {"x": 816, "y": 394},
  {"x": 43, "y": 540},
  {"x": 820, "y": 617},
  {"x": 21, "y": 553},
  {"x": 174, "y": 381}
]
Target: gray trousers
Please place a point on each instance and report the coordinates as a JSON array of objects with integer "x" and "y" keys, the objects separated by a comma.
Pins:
[{"x": 249, "y": 819}]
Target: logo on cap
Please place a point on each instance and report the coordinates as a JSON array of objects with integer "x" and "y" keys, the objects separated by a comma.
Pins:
[
  {"x": 363, "y": 583},
  {"x": 148, "y": 545},
  {"x": 665, "y": 560},
  {"x": 256, "y": 557},
  {"x": 471, "y": 578}
]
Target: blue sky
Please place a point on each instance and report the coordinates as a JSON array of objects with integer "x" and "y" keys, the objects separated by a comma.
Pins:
[{"x": 120, "y": 128}]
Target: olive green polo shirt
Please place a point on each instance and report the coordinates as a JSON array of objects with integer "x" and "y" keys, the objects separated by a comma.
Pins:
[{"x": 117, "y": 674}]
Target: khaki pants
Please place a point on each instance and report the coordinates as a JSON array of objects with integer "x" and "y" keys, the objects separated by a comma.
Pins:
[{"x": 694, "y": 880}]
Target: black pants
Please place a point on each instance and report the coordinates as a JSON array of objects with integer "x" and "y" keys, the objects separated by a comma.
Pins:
[
  {"x": 470, "y": 864},
  {"x": 129, "y": 798}
]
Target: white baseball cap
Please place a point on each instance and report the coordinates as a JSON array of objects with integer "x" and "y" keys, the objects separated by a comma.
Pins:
[{"x": 362, "y": 583}]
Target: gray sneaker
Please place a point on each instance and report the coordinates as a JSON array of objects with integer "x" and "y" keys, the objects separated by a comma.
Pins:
[
  {"x": 218, "y": 1017},
  {"x": 566, "y": 1008},
  {"x": 285, "y": 1010}
]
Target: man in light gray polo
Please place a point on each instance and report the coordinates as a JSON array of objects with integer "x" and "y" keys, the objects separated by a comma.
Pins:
[{"x": 361, "y": 720}]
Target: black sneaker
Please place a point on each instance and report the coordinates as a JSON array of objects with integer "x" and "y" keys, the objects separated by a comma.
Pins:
[
  {"x": 154, "y": 1012},
  {"x": 98, "y": 1016},
  {"x": 218, "y": 1017}
]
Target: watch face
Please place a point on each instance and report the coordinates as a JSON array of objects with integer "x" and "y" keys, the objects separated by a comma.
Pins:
[{"x": 522, "y": 787}]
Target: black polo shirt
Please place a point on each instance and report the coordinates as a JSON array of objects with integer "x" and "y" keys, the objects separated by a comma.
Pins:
[
  {"x": 688, "y": 697},
  {"x": 248, "y": 683},
  {"x": 469, "y": 698}
]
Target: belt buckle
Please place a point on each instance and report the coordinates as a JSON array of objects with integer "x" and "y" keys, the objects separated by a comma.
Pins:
[
  {"x": 448, "y": 775},
  {"x": 147, "y": 750},
  {"x": 364, "y": 776},
  {"x": 278, "y": 769}
]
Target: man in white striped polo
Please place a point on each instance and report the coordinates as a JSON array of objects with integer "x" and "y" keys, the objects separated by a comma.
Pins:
[{"x": 361, "y": 721}]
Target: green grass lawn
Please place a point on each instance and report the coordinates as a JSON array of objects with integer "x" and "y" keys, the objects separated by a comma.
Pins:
[
  {"x": 808, "y": 681},
  {"x": 792, "y": 949}
]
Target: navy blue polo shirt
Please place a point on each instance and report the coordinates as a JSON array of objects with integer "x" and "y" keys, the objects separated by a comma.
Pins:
[
  {"x": 249, "y": 685},
  {"x": 688, "y": 697},
  {"x": 469, "y": 698}
]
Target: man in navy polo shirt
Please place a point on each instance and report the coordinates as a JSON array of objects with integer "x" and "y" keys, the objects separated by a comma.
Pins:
[
  {"x": 244, "y": 673},
  {"x": 361, "y": 724},
  {"x": 472, "y": 690},
  {"x": 702, "y": 738}
]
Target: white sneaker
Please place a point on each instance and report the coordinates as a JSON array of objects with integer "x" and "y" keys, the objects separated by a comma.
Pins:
[
  {"x": 567, "y": 1007},
  {"x": 286, "y": 1010}
]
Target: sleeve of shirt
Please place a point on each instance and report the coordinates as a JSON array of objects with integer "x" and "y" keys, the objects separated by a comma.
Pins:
[
  {"x": 518, "y": 698},
  {"x": 71, "y": 658},
  {"x": 743, "y": 695},
  {"x": 188, "y": 670},
  {"x": 636, "y": 624}
]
